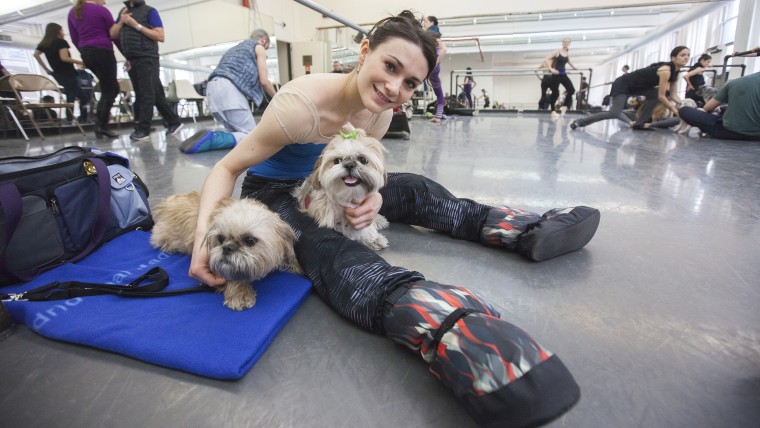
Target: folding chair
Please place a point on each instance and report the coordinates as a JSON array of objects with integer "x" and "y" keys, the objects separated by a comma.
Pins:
[
  {"x": 21, "y": 83},
  {"x": 180, "y": 92},
  {"x": 5, "y": 89}
]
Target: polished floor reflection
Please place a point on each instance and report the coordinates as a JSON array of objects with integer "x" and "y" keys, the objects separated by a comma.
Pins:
[{"x": 658, "y": 317}]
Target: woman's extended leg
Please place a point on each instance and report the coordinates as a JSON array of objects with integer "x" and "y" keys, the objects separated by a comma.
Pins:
[{"x": 417, "y": 200}]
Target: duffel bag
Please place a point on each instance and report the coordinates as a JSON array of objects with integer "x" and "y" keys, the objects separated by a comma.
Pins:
[{"x": 59, "y": 207}]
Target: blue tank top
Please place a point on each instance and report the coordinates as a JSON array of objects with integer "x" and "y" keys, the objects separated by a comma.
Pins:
[{"x": 292, "y": 161}]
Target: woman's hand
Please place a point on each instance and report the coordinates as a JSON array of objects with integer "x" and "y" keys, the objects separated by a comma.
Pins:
[
  {"x": 363, "y": 215},
  {"x": 199, "y": 268}
]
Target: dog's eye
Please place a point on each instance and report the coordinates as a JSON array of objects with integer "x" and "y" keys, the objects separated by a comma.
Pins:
[
  {"x": 250, "y": 241},
  {"x": 220, "y": 238},
  {"x": 336, "y": 161},
  {"x": 362, "y": 160}
]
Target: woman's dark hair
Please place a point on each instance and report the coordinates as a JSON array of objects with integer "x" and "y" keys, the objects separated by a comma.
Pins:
[
  {"x": 677, "y": 50},
  {"x": 703, "y": 57},
  {"x": 52, "y": 32},
  {"x": 405, "y": 26},
  {"x": 433, "y": 19}
]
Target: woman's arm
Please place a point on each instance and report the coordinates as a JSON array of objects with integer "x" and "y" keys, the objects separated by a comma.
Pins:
[
  {"x": 266, "y": 139},
  {"x": 65, "y": 56},
  {"x": 38, "y": 57},
  {"x": 662, "y": 89},
  {"x": 548, "y": 62},
  {"x": 441, "y": 51},
  {"x": 689, "y": 75}
]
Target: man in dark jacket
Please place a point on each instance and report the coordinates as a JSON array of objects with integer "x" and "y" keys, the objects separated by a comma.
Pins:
[{"x": 138, "y": 31}]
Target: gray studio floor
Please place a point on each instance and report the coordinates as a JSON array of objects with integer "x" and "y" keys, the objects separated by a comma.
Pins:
[{"x": 658, "y": 318}]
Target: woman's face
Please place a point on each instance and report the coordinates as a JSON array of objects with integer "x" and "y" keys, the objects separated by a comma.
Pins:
[
  {"x": 426, "y": 23},
  {"x": 706, "y": 63},
  {"x": 682, "y": 58},
  {"x": 389, "y": 73},
  {"x": 566, "y": 43}
]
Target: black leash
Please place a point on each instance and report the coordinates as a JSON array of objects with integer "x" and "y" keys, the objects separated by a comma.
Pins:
[{"x": 157, "y": 279}]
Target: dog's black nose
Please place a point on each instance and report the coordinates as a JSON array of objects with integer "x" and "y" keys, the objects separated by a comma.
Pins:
[
  {"x": 349, "y": 165},
  {"x": 228, "y": 249}
]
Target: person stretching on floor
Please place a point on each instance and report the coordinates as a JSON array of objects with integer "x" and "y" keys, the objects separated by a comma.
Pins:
[
  {"x": 500, "y": 374},
  {"x": 659, "y": 81}
]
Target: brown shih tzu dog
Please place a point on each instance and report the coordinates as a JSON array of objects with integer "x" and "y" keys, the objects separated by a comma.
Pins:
[
  {"x": 246, "y": 241},
  {"x": 349, "y": 168}
]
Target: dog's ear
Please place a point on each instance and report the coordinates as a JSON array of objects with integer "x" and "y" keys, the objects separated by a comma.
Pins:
[
  {"x": 287, "y": 237},
  {"x": 313, "y": 179}
]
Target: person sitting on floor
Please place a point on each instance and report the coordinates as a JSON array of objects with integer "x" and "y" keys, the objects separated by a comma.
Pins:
[{"x": 740, "y": 119}]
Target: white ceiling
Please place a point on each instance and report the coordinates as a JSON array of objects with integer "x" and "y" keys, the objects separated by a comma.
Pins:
[{"x": 520, "y": 39}]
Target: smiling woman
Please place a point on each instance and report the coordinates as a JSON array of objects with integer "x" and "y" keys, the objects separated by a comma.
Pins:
[{"x": 498, "y": 372}]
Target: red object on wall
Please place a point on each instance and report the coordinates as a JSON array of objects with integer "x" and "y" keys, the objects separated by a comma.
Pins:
[{"x": 246, "y": 3}]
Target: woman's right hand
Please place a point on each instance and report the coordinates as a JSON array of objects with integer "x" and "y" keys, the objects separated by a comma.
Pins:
[{"x": 199, "y": 265}]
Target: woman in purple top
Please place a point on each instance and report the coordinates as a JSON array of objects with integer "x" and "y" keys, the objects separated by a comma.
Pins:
[{"x": 89, "y": 23}]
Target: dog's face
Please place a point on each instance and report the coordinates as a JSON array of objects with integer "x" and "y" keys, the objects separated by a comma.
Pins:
[
  {"x": 350, "y": 168},
  {"x": 246, "y": 241}
]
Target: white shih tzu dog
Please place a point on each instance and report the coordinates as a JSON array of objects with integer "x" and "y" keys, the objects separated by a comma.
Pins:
[
  {"x": 246, "y": 241},
  {"x": 349, "y": 168}
]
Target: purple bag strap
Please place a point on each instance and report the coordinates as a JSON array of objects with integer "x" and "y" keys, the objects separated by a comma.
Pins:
[{"x": 10, "y": 200}]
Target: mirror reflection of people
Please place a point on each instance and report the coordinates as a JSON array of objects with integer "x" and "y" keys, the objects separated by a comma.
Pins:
[
  {"x": 305, "y": 114},
  {"x": 337, "y": 67}
]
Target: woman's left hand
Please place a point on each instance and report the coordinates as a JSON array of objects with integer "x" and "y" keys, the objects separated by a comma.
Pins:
[{"x": 363, "y": 215}]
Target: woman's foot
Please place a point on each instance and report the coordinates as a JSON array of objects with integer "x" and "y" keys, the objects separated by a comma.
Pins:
[
  {"x": 560, "y": 231},
  {"x": 435, "y": 120}
]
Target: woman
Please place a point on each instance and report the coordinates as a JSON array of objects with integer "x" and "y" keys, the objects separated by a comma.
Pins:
[
  {"x": 695, "y": 81},
  {"x": 89, "y": 23},
  {"x": 659, "y": 81},
  {"x": 556, "y": 62},
  {"x": 56, "y": 50},
  {"x": 394, "y": 59},
  {"x": 430, "y": 23},
  {"x": 467, "y": 86}
]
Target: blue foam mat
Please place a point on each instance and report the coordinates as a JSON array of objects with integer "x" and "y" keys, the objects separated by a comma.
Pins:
[{"x": 193, "y": 332}]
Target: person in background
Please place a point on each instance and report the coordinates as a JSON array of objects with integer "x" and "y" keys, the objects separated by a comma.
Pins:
[
  {"x": 695, "y": 81},
  {"x": 625, "y": 69},
  {"x": 486, "y": 99},
  {"x": 240, "y": 76},
  {"x": 556, "y": 62},
  {"x": 89, "y": 25},
  {"x": 139, "y": 30},
  {"x": 337, "y": 67},
  {"x": 500, "y": 374},
  {"x": 430, "y": 23},
  {"x": 741, "y": 117},
  {"x": 581, "y": 98},
  {"x": 4, "y": 71},
  {"x": 61, "y": 66},
  {"x": 467, "y": 86},
  {"x": 657, "y": 82}
]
